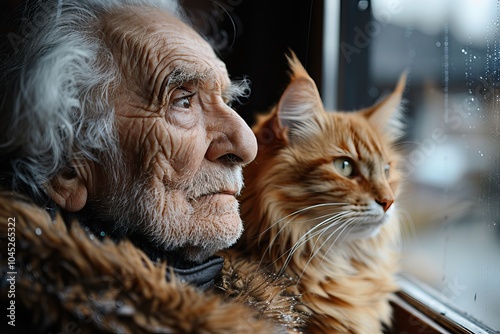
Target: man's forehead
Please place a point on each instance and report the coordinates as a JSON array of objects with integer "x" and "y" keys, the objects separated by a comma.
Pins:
[{"x": 165, "y": 38}]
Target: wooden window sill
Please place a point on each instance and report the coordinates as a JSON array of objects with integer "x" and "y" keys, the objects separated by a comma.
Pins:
[{"x": 417, "y": 309}]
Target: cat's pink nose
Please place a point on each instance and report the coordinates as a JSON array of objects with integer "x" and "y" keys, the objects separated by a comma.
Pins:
[{"x": 385, "y": 203}]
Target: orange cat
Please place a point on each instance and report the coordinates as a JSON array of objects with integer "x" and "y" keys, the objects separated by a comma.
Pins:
[{"x": 318, "y": 205}]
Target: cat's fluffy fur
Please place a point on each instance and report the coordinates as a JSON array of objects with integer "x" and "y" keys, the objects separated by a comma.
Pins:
[{"x": 328, "y": 231}]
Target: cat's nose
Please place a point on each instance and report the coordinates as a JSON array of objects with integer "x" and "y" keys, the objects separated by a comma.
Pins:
[{"x": 385, "y": 203}]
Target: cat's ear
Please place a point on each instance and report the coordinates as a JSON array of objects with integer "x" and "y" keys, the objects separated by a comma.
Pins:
[
  {"x": 300, "y": 104},
  {"x": 387, "y": 114}
]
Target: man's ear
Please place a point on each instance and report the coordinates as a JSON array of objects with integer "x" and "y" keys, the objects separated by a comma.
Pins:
[{"x": 68, "y": 190}]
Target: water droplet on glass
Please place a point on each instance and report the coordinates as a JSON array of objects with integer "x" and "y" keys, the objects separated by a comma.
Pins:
[
  {"x": 103, "y": 234},
  {"x": 79, "y": 314},
  {"x": 464, "y": 51},
  {"x": 373, "y": 92},
  {"x": 438, "y": 44},
  {"x": 363, "y": 5},
  {"x": 113, "y": 325},
  {"x": 119, "y": 303},
  {"x": 91, "y": 236},
  {"x": 38, "y": 231}
]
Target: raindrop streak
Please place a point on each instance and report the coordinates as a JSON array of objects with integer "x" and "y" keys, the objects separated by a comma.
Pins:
[
  {"x": 446, "y": 79},
  {"x": 446, "y": 64}
]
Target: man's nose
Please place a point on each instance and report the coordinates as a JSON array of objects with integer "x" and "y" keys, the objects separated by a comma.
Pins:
[{"x": 232, "y": 139}]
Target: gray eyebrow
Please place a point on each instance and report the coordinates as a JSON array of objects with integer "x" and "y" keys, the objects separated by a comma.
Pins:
[
  {"x": 236, "y": 90},
  {"x": 180, "y": 76}
]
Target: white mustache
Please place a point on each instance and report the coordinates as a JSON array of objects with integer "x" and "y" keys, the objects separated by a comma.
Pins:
[{"x": 214, "y": 180}]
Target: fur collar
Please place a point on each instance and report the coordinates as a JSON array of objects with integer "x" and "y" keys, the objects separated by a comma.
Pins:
[{"x": 65, "y": 278}]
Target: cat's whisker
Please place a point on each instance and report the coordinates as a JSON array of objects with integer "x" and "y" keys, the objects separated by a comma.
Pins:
[
  {"x": 342, "y": 229},
  {"x": 406, "y": 223},
  {"x": 348, "y": 224},
  {"x": 322, "y": 228},
  {"x": 271, "y": 242},
  {"x": 302, "y": 241},
  {"x": 312, "y": 233},
  {"x": 302, "y": 210},
  {"x": 296, "y": 213}
]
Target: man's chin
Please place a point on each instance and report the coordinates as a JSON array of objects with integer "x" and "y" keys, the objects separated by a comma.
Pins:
[
  {"x": 197, "y": 254},
  {"x": 187, "y": 230},
  {"x": 215, "y": 226},
  {"x": 210, "y": 247}
]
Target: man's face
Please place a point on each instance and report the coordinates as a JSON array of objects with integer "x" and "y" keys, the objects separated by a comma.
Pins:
[{"x": 183, "y": 145}]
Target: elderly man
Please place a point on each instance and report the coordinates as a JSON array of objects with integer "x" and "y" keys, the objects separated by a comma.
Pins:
[{"x": 116, "y": 124}]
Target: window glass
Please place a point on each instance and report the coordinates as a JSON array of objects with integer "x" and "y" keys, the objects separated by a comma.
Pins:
[{"x": 450, "y": 207}]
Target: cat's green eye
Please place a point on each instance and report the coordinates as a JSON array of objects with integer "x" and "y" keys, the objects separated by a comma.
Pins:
[
  {"x": 345, "y": 166},
  {"x": 387, "y": 169}
]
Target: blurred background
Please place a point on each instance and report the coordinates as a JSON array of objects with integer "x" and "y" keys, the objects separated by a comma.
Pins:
[{"x": 452, "y": 200}]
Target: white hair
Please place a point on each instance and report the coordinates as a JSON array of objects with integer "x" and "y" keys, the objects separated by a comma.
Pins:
[{"x": 57, "y": 92}]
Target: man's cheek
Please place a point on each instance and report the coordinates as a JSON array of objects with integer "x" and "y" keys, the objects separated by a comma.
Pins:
[
  {"x": 187, "y": 120},
  {"x": 187, "y": 153}
]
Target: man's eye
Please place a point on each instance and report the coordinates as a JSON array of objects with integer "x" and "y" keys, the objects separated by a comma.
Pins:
[
  {"x": 182, "y": 102},
  {"x": 182, "y": 98}
]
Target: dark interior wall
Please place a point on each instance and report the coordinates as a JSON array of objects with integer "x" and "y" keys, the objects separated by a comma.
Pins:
[{"x": 259, "y": 33}]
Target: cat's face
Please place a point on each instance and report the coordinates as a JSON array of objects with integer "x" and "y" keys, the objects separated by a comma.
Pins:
[{"x": 328, "y": 175}]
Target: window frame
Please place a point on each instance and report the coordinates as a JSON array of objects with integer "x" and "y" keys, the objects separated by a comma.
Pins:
[{"x": 418, "y": 309}]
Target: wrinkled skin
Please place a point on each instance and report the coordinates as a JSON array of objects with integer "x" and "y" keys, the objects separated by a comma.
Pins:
[{"x": 183, "y": 145}]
